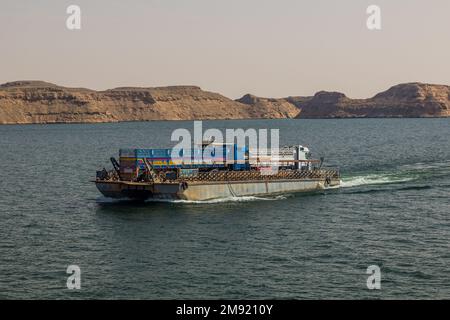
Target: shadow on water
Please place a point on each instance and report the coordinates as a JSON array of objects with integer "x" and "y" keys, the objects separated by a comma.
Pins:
[{"x": 216, "y": 206}]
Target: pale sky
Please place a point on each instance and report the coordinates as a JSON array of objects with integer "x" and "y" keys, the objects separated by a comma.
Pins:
[{"x": 268, "y": 48}]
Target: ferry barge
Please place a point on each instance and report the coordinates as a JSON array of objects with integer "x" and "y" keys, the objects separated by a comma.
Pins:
[{"x": 143, "y": 174}]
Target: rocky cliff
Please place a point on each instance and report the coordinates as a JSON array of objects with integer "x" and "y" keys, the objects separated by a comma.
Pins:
[
  {"x": 24, "y": 102},
  {"x": 400, "y": 101},
  {"x": 283, "y": 108},
  {"x": 41, "y": 102}
]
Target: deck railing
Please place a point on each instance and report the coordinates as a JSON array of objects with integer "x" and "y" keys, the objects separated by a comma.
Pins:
[
  {"x": 322, "y": 174},
  {"x": 332, "y": 174}
]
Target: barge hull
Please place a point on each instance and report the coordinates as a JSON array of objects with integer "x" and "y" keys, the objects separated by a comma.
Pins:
[{"x": 200, "y": 191}]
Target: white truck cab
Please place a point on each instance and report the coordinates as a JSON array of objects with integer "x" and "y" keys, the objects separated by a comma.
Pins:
[{"x": 303, "y": 153}]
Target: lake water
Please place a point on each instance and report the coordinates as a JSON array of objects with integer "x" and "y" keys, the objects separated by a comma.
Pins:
[{"x": 392, "y": 211}]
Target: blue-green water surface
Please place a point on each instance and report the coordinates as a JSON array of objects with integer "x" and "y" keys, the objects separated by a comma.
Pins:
[{"x": 392, "y": 211}]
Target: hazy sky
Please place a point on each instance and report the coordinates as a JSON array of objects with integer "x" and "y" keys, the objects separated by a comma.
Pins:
[{"x": 269, "y": 48}]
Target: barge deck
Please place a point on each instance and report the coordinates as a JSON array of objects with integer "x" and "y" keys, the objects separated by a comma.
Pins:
[{"x": 214, "y": 185}]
